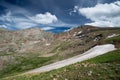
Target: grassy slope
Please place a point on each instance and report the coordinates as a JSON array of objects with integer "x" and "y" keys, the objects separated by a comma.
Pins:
[
  {"x": 24, "y": 63},
  {"x": 27, "y": 63},
  {"x": 113, "y": 40},
  {"x": 104, "y": 67}
]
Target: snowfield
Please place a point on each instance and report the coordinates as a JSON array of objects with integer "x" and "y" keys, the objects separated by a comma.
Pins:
[
  {"x": 113, "y": 35},
  {"x": 93, "y": 52}
]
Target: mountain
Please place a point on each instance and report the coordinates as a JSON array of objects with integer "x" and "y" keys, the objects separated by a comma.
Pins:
[
  {"x": 23, "y": 40},
  {"x": 27, "y": 49},
  {"x": 104, "y": 67}
]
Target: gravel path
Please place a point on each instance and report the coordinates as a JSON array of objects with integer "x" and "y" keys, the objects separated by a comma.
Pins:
[{"x": 95, "y": 51}]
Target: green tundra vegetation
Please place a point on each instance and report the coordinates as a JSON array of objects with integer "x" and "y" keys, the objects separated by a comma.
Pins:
[{"x": 103, "y": 67}]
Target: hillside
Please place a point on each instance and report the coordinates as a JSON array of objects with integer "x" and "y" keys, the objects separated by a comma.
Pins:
[
  {"x": 104, "y": 67},
  {"x": 23, "y": 40},
  {"x": 24, "y": 50}
]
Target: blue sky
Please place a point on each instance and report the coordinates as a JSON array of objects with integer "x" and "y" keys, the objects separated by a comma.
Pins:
[{"x": 58, "y": 15}]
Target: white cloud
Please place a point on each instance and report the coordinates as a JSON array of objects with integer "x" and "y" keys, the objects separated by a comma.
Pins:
[
  {"x": 3, "y": 26},
  {"x": 75, "y": 9},
  {"x": 61, "y": 24},
  {"x": 47, "y": 28},
  {"x": 46, "y": 18},
  {"x": 25, "y": 25},
  {"x": 18, "y": 22},
  {"x": 103, "y": 15}
]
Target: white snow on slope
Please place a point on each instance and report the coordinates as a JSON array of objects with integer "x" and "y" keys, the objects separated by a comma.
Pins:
[
  {"x": 95, "y": 51},
  {"x": 113, "y": 35}
]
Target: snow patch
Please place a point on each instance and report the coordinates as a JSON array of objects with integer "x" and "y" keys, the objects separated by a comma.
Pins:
[
  {"x": 47, "y": 44},
  {"x": 95, "y": 51},
  {"x": 113, "y": 35},
  {"x": 79, "y": 32},
  {"x": 75, "y": 34}
]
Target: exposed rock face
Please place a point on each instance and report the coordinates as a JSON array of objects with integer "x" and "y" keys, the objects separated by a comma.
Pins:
[
  {"x": 22, "y": 40},
  {"x": 35, "y": 39},
  {"x": 76, "y": 32}
]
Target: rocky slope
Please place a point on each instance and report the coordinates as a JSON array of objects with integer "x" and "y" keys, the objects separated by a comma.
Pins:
[
  {"x": 35, "y": 38},
  {"x": 23, "y": 40},
  {"x": 31, "y": 48}
]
